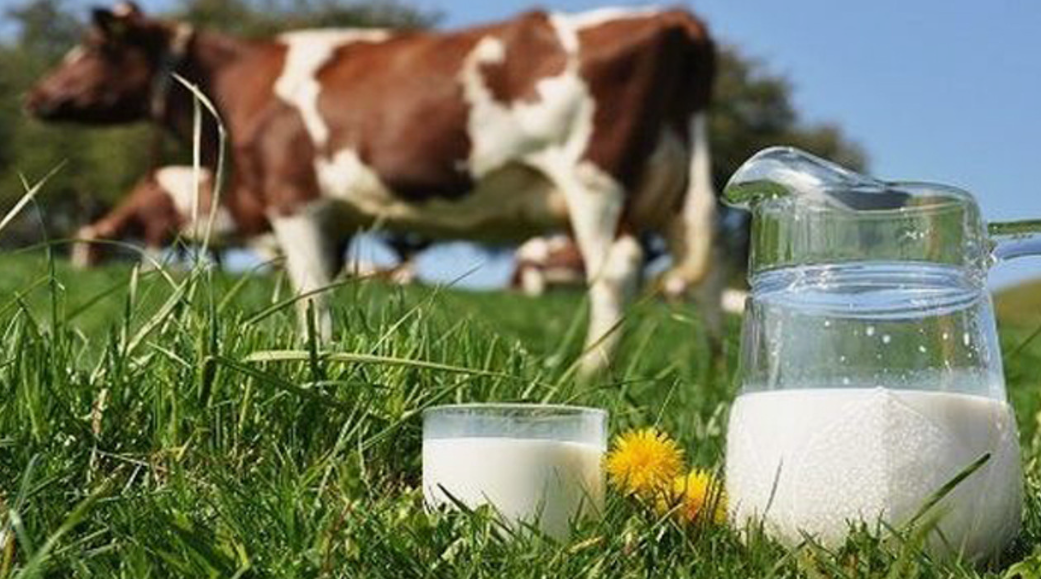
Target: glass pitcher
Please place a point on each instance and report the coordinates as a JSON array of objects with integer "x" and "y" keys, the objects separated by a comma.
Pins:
[{"x": 870, "y": 369}]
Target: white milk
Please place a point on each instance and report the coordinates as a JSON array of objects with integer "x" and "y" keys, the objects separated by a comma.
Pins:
[
  {"x": 547, "y": 481},
  {"x": 842, "y": 454}
]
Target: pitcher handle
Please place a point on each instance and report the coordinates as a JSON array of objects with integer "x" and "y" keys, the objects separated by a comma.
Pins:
[{"x": 1014, "y": 239}]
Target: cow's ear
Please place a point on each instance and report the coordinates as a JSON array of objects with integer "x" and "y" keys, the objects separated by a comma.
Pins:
[
  {"x": 102, "y": 18},
  {"x": 111, "y": 26},
  {"x": 114, "y": 22},
  {"x": 127, "y": 10}
]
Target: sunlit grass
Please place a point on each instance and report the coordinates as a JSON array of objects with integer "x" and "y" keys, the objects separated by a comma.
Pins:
[{"x": 157, "y": 431}]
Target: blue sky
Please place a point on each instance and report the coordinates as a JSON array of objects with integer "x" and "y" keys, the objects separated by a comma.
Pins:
[{"x": 942, "y": 91}]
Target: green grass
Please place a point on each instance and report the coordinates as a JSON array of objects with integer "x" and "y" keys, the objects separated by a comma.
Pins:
[{"x": 139, "y": 439}]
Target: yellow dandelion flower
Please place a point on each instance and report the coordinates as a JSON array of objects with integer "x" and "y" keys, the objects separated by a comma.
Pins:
[
  {"x": 692, "y": 494},
  {"x": 644, "y": 462}
]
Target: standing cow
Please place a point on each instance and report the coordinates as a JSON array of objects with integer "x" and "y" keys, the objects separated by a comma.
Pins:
[{"x": 592, "y": 122}]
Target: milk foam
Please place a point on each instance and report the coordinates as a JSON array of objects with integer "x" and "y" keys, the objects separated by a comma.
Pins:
[
  {"x": 844, "y": 454},
  {"x": 548, "y": 481}
]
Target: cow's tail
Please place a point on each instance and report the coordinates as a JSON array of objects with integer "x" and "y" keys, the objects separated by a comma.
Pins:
[{"x": 693, "y": 230}]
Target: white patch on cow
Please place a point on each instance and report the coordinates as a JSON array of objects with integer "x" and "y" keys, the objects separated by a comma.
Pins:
[
  {"x": 608, "y": 295},
  {"x": 553, "y": 129},
  {"x": 693, "y": 231},
  {"x": 699, "y": 211},
  {"x": 124, "y": 9},
  {"x": 535, "y": 250},
  {"x": 549, "y": 134},
  {"x": 81, "y": 249},
  {"x": 306, "y": 52},
  {"x": 484, "y": 212},
  {"x": 309, "y": 259},
  {"x": 532, "y": 281},
  {"x": 345, "y": 176},
  {"x": 549, "y": 261},
  {"x": 700, "y": 166},
  {"x": 223, "y": 230},
  {"x": 178, "y": 182},
  {"x": 73, "y": 55}
]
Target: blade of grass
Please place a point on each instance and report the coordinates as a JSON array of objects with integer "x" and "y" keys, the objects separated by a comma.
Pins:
[
  {"x": 218, "y": 178},
  {"x": 265, "y": 377},
  {"x": 948, "y": 487},
  {"x": 303, "y": 356},
  {"x": 34, "y": 567},
  {"x": 28, "y": 196}
]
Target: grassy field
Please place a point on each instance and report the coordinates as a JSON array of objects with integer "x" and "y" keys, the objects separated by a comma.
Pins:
[{"x": 139, "y": 438}]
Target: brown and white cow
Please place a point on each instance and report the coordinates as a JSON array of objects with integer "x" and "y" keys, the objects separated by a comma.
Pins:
[
  {"x": 163, "y": 206},
  {"x": 592, "y": 122}
]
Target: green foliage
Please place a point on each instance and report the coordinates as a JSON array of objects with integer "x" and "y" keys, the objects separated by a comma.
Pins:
[
  {"x": 183, "y": 453},
  {"x": 752, "y": 110},
  {"x": 264, "y": 18}
]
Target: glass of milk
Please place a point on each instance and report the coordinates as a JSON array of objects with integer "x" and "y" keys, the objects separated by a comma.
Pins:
[
  {"x": 536, "y": 464},
  {"x": 870, "y": 368}
]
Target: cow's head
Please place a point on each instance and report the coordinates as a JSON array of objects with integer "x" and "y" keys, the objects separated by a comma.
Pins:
[{"x": 114, "y": 74}]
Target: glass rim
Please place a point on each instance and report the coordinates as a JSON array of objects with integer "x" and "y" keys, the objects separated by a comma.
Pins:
[{"x": 492, "y": 407}]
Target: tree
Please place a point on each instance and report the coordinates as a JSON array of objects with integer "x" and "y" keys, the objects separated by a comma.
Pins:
[
  {"x": 264, "y": 18},
  {"x": 752, "y": 110}
]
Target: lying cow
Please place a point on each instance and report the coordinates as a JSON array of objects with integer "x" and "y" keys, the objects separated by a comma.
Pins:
[
  {"x": 592, "y": 122},
  {"x": 545, "y": 263},
  {"x": 160, "y": 209},
  {"x": 550, "y": 262},
  {"x": 163, "y": 207}
]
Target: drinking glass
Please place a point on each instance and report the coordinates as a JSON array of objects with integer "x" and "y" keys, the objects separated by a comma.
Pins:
[{"x": 536, "y": 464}]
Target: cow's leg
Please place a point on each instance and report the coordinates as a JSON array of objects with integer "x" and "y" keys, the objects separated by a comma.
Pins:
[
  {"x": 609, "y": 292},
  {"x": 613, "y": 260},
  {"x": 310, "y": 252},
  {"x": 157, "y": 234},
  {"x": 692, "y": 238},
  {"x": 84, "y": 254},
  {"x": 86, "y": 251},
  {"x": 265, "y": 246},
  {"x": 531, "y": 280},
  {"x": 151, "y": 257},
  {"x": 691, "y": 234}
]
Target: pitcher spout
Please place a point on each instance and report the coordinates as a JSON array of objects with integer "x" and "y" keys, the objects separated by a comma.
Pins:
[{"x": 787, "y": 171}]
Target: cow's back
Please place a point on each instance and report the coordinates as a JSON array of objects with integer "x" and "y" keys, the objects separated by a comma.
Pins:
[
  {"x": 646, "y": 75},
  {"x": 424, "y": 120}
]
